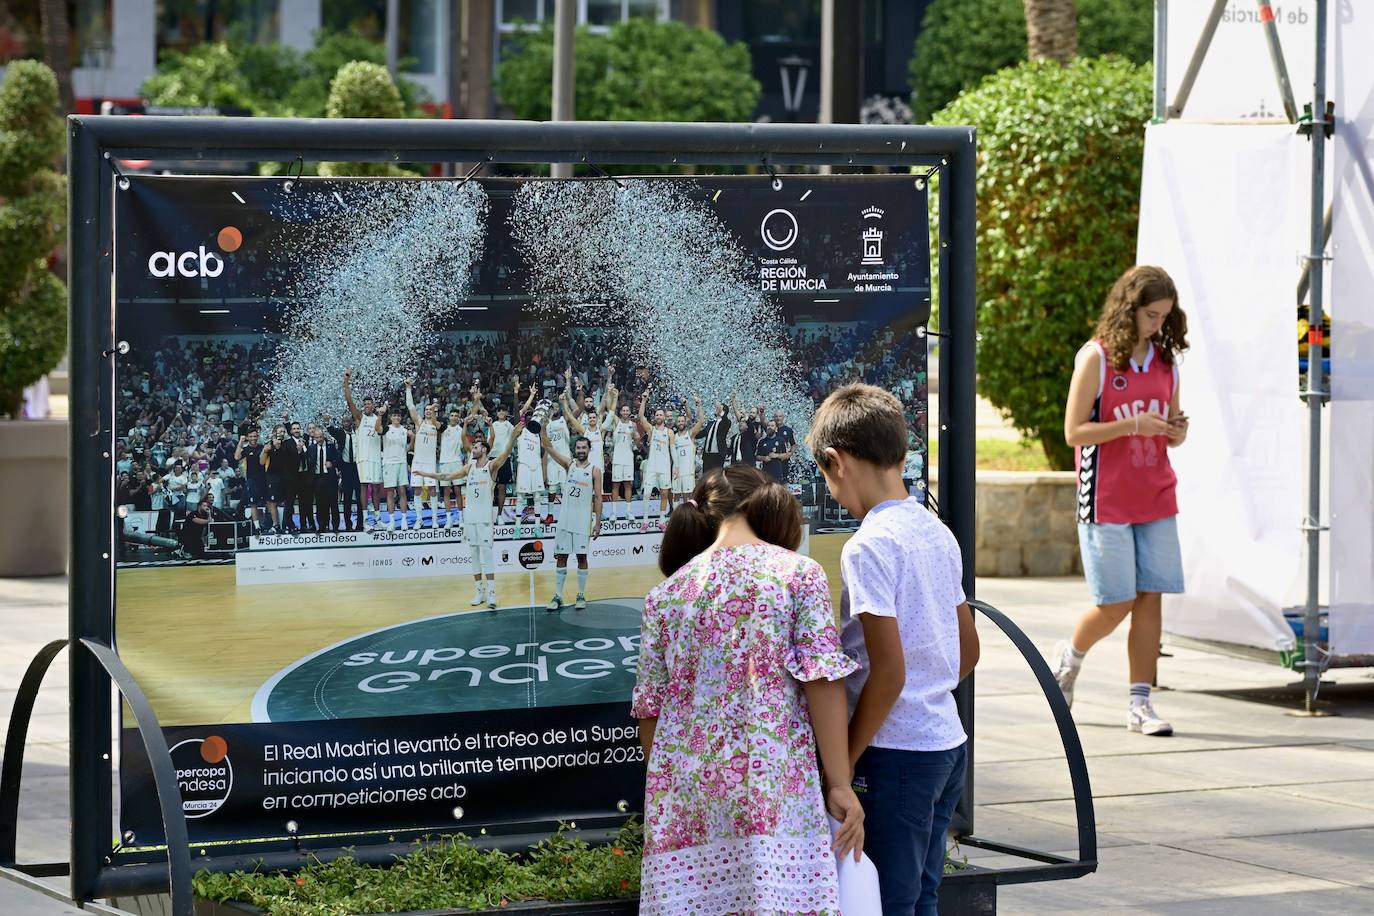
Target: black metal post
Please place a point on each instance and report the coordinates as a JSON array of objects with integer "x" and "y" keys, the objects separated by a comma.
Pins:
[
  {"x": 958, "y": 397},
  {"x": 90, "y": 593}
]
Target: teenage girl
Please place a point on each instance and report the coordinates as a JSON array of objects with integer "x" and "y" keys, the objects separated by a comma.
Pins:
[{"x": 1123, "y": 416}]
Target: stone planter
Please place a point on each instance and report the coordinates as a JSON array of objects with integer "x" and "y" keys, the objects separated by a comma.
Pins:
[
  {"x": 33, "y": 477},
  {"x": 1027, "y": 524}
]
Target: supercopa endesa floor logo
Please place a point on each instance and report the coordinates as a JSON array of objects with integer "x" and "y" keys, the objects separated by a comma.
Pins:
[
  {"x": 200, "y": 263},
  {"x": 204, "y": 774}
]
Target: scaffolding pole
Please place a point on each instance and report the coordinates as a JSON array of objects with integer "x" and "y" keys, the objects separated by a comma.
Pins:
[
  {"x": 1316, "y": 394},
  {"x": 1161, "y": 95},
  {"x": 1204, "y": 42},
  {"x": 1271, "y": 40}
]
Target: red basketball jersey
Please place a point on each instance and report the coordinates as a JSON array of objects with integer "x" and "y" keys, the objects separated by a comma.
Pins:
[{"x": 1129, "y": 480}]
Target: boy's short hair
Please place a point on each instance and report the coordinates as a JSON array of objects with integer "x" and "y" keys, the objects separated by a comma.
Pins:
[{"x": 862, "y": 420}]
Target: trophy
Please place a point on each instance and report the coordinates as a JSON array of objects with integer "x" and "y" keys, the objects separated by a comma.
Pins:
[{"x": 539, "y": 415}]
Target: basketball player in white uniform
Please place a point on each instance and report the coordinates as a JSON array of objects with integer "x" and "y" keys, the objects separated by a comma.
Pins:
[
  {"x": 369, "y": 451},
  {"x": 590, "y": 427},
  {"x": 451, "y": 459},
  {"x": 426, "y": 457},
  {"x": 623, "y": 434},
  {"x": 685, "y": 452},
  {"x": 395, "y": 440},
  {"x": 554, "y": 472},
  {"x": 529, "y": 468},
  {"x": 502, "y": 435},
  {"x": 479, "y": 516},
  {"x": 579, "y": 518},
  {"x": 658, "y": 466}
]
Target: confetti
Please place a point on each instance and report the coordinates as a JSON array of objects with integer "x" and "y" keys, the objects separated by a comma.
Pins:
[
  {"x": 677, "y": 286},
  {"x": 375, "y": 266}
]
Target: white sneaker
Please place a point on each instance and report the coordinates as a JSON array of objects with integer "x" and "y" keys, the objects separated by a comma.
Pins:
[
  {"x": 404, "y": 519},
  {"x": 1065, "y": 673},
  {"x": 434, "y": 523},
  {"x": 581, "y": 604},
  {"x": 491, "y": 598},
  {"x": 448, "y": 522},
  {"x": 478, "y": 598},
  {"x": 391, "y": 524},
  {"x": 555, "y": 603},
  {"x": 1143, "y": 718}
]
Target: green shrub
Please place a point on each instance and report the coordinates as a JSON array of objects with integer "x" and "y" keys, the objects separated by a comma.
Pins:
[
  {"x": 963, "y": 41},
  {"x": 1059, "y": 159},
  {"x": 363, "y": 90},
  {"x": 270, "y": 80},
  {"x": 641, "y": 70},
  {"x": 33, "y": 213}
]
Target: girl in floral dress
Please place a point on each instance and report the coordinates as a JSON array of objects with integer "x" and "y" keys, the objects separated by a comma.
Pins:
[{"x": 740, "y": 683}]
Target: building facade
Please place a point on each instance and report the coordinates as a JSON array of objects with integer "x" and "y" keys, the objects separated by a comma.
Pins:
[{"x": 451, "y": 47}]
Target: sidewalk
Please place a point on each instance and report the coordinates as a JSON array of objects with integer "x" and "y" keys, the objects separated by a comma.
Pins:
[{"x": 1248, "y": 811}]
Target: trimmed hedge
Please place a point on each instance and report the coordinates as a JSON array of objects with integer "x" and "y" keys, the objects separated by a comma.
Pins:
[
  {"x": 963, "y": 41},
  {"x": 33, "y": 216},
  {"x": 1059, "y": 161}
]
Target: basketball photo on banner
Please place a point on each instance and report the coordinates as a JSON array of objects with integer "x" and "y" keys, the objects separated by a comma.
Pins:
[{"x": 394, "y": 460}]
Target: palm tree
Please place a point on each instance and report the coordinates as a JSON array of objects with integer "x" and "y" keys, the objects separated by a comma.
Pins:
[
  {"x": 57, "y": 49},
  {"x": 1052, "y": 29}
]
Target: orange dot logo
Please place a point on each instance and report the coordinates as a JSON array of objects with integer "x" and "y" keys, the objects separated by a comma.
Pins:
[
  {"x": 214, "y": 749},
  {"x": 230, "y": 239},
  {"x": 538, "y": 545}
]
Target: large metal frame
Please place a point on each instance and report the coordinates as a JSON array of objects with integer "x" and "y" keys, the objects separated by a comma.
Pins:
[
  {"x": 1311, "y": 280},
  {"x": 95, "y": 143}
]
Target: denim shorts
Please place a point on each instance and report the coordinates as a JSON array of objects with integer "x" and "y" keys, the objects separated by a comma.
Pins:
[{"x": 1120, "y": 561}]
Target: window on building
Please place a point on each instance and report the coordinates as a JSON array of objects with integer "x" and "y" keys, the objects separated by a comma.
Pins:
[
  {"x": 183, "y": 24},
  {"x": 418, "y": 38},
  {"x": 360, "y": 17},
  {"x": 21, "y": 32},
  {"x": 597, "y": 14}
]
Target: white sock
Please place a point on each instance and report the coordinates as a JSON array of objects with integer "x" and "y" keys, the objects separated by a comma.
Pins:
[
  {"x": 1075, "y": 658},
  {"x": 560, "y": 578},
  {"x": 1140, "y": 693},
  {"x": 582, "y": 583}
]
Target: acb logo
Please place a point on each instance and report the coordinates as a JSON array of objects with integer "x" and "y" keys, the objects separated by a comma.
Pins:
[{"x": 199, "y": 263}]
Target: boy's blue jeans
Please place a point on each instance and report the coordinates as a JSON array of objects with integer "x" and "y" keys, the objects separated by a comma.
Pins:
[{"x": 908, "y": 799}]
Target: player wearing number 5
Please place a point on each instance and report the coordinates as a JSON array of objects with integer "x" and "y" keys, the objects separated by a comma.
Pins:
[
  {"x": 479, "y": 514},
  {"x": 1123, "y": 416},
  {"x": 579, "y": 516}
]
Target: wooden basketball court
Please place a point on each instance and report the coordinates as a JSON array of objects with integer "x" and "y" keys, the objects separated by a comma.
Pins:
[{"x": 201, "y": 646}]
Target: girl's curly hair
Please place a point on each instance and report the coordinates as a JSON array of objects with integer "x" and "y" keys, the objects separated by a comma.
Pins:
[{"x": 1138, "y": 287}]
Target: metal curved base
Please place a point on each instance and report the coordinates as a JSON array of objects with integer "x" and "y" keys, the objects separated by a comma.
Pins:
[
  {"x": 1052, "y": 867},
  {"x": 164, "y": 777}
]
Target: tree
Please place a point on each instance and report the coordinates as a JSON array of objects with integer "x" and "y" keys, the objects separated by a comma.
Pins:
[
  {"x": 363, "y": 90},
  {"x": 1052, "y": 30},
  {"x": 963, "y": 41},
  {"x": 269, "y": 80},
  {"x": 642, "y": 70},
  {"x": 1059, "y": 161},
  {"x": 56, "y": 43},
  {"x": 33, "y": 209}
]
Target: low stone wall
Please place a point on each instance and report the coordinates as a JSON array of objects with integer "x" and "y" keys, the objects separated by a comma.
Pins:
[{"x": 1027, "y": 525}]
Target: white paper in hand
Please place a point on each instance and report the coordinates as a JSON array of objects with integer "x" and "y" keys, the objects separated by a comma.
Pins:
[{"x": 859, "y": 894}]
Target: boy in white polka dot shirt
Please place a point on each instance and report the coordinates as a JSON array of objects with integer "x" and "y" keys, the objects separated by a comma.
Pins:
[{"x": 905, "y": 619}]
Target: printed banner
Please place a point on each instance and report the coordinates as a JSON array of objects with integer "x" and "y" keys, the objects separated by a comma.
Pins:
[{"x": 394, "y": 459}]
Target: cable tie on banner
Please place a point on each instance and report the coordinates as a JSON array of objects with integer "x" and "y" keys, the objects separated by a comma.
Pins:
[
  {"x": 121, "y": 180},
  {"x": 299, "y": 166},
  {"x": 472, "y": 172},
  {"x": 121, "y": 348},
  {"x": 772, "y": 173},
  {"x": 601, "y": 173},
  {"x": 923, "y": 179}
]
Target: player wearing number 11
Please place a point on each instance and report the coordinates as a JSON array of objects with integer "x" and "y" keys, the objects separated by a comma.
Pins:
[{"x": 579, "y": 516}]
